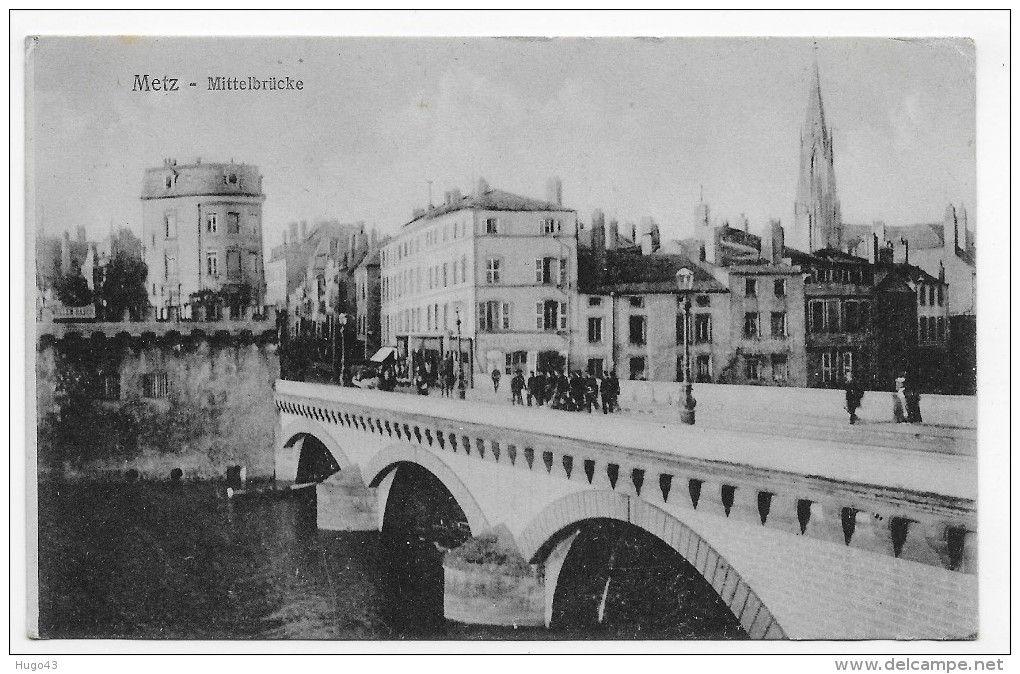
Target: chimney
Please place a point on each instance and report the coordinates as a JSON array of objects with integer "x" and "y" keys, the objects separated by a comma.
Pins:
[
  {"x": 304, "y": 230},
  {"x": 633, "y": 233},
  {"x": 961, "y": 228},
  {"x": 482, "y": 188},
  {"x": 873, "y": 258},
  {"x": 285, "y": 238},
  {"x": 613, "y": 240},
  {"x": 745, "y": 225},
  {"x": 417, "y": 213},
  {"x": 446, "y": 198},
  {"x": 598, "y": 231},
  {"x": 373, "y": 240},
  {"x": 950, "y": 232},
  {"x": 773, "y": 242},
  {"x": 646, "y": 244},
  {"x": 712, "y": 253},
  {"x": 294, "y": 233},
  {"x": 81, "y": 234},
  {"x": 554, "y": 191},
  {"x": 455, "y": 196},
  {"x": 885, "y": 253}
]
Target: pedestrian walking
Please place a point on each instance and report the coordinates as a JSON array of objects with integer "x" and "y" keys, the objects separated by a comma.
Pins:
[
  {"x": 913, "y": 403},
  {"x": 530, "y": 387},
  {"x": 591, "y": 392},
  {"x": 516, "y": 386},
  {"x": 496, "y": 374},
  {"x": 900, "y": 400},
  {"x": 854, "y": 396},
  {"x": 540, "y": 384}
]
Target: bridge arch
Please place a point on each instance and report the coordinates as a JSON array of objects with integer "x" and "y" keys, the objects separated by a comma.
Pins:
[
  {"x": 388, "y": 459},
  {"x": 557, "y": 521},
  {"x": 302, "y": 426}
]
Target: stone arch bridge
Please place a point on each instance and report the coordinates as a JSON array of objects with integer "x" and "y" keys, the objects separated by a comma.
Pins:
[{"x": 801, "y": 539}]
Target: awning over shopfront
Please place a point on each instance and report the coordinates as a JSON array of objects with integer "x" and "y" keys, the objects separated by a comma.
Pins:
[{"x": 384, "y": 354}]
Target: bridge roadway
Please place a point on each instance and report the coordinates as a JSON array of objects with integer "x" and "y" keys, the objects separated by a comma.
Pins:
[{"x": 804, "y": 538}]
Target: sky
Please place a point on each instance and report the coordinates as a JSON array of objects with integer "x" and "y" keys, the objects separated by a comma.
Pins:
[{"x": 635, "y": 127}]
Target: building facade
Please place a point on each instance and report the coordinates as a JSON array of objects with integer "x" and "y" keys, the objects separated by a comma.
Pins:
[
  {"x": 494, "y": 267},
  {"x": 202, "y": 236}
]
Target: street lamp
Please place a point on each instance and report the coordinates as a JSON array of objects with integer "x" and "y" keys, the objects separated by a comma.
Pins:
[
  {"x": 461, "y": 393},
  {"x": 685, "y": 283}
]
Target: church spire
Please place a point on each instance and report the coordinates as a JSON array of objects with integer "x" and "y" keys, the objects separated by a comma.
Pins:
[{"x": 817, "y": 218}]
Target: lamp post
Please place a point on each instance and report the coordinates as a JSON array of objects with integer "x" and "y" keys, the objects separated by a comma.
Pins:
[
  {"x": 341, "y": 320},
  {"x": 461, "y": 393},
  {"x": 685, "y": 282}
]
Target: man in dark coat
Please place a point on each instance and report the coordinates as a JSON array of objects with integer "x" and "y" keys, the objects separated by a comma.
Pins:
[
  {"x": 854, "y": 396},
  {"x": 516, "y": 386},
  {"x": 531, "y": 387}
]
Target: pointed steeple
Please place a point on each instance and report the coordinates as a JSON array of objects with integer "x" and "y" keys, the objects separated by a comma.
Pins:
[{"x": 817, "y": 217}]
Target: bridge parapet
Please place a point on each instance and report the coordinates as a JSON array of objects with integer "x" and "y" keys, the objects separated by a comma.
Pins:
[{"x": 905, "y": 509}]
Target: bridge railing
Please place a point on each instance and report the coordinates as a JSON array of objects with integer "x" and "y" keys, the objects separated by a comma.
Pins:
[{"x": 670, "y": 466}]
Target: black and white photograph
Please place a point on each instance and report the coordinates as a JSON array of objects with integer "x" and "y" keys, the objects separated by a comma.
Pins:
[{"x": 614, "y": 341}]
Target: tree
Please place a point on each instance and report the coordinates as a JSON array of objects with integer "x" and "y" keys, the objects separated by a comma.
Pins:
[
  {"x": 123, "y": 287},
  {"x": 73, "y": 290}
]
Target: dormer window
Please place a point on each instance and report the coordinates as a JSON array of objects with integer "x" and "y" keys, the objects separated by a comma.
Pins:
[
  {"x": 169, "y": 181},
  {"x": 233, "y": 179}
]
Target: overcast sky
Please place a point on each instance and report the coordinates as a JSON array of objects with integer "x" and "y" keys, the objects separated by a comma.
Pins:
[{"x": 634, "y": 127}]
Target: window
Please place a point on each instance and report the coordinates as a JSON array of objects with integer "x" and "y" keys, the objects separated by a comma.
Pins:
[
  {"x": 940, "y": 332},
  {"x": 446, "y": 268},
  {"x": 931, "y": 295},
  {"x": 780, "y": 367},
  {"x": 752, "y": 328},
  {"x": 848, "y": 363},
  {"x": 922, "y": 332},
  {"x": 551, "y": 315},
  {"x": 832, "y": 315},
  {"x": 170, "y": 224},
  {"x": 550, "y": 270},
  {"x": 491, "y": 226},
  {"x": 463, "y": 269},
  {"x": 109, "y": 387},
  {"x": 750, "y": 287},
  {"x": 596, "y": 366},
  {"x": 637, "y": 368},
  {"x": 233, "y": 223},
  {"x": 779, "y": 325},
  {"x": 702, "y": 301},
  {"x": 454, "y": 266},
  {"x": 780, "y": 287},
  {"x": 551, "y": 226},
  {"x": 493, "y": 316},
  {"x": 922, "y": 296},
  {"x": 753, "y": 368},
  {"x": 595, "y": 329},
  {"x": 232, "y": 179},
  {"x": 169, "y": 265},
  {"x": 702, "y": 328},
  {"x": 594, "y": 301},
  {"x": 212, "y": 263},
  {"x": 637, "y": 302},
  {"x": 233, "y": 264},
  {"x": 169, "y": 182},
  {"x": 492, "y": 271},
  {"x": 211, "y": 223},
  {"x": 703, "y": 368},
  {"x": 941, "y": 295},
  {"x": 155, "y": 385},
  {"x": 638, "y": 330}
]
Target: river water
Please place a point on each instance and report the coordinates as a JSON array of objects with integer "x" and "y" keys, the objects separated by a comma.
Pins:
[{"x": 171, "y": 561}]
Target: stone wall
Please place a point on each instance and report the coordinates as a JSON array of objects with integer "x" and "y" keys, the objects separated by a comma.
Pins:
[{"x": 199, "y": 404}]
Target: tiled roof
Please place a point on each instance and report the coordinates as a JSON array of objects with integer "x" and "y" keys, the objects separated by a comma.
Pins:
[
  {"x": 629, "y": 272},
  {"x": 492, "y": 200},
  {"x": 923, "y": 236}
]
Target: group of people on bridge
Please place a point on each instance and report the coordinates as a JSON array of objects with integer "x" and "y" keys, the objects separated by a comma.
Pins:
[{"x": 576, "y": 392}]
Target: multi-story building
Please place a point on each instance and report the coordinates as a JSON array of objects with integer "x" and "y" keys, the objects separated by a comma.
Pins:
[
  {"x": 494, "y": 267},
  {"x": 368, "y": 302},
  {"x": 202, "y": 237},
  {"x": 745, "y": 306}
]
